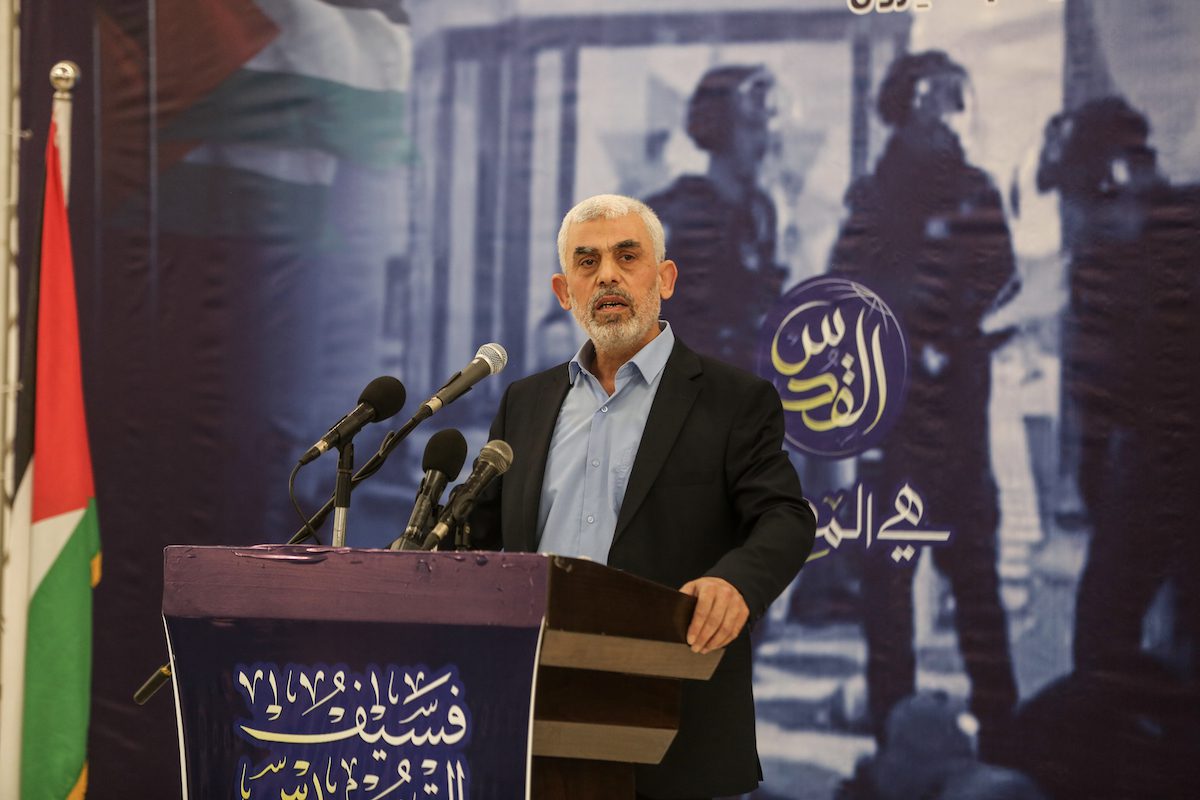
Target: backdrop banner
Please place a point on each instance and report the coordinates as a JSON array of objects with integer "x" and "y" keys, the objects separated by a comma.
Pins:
[{"x": 959, "y": 237}]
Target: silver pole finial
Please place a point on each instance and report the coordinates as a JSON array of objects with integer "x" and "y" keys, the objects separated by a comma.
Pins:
[{"x": 63, "y": 77}]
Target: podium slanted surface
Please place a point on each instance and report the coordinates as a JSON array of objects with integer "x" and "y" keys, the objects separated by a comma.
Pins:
[{"x": 441, "y": 675}]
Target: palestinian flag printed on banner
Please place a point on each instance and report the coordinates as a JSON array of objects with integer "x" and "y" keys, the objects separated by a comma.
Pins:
[
  {"x": 54, "y": 520},
  {"x": 310, "y": 88}
]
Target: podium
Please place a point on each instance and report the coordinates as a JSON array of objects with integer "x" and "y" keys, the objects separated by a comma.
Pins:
[{"x": 321, "y": 672}]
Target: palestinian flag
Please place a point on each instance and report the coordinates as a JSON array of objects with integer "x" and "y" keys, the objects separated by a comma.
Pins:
[
  {"x": 252, "y": 136},
  {"x": 54, "y": 536}
]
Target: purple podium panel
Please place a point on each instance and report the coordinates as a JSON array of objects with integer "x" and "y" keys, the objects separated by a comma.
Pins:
[{"x": 320, "y": 673}]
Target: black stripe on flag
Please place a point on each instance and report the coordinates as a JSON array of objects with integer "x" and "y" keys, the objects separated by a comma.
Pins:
[{"x": 392, "y": 9}]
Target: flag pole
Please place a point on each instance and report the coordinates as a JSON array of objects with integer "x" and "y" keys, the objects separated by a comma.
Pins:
[
  {"x": 17, "y": 581},
  {"x": 63, "y": 77}
]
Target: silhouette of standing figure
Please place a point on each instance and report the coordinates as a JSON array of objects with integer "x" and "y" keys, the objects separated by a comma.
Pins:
[
  {"x": 721, "y": 225},
  {"x": 927, "y": 232},
  {"x": 1131, "y": 366}
]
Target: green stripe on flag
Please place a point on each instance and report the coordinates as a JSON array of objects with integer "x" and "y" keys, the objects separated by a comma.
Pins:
[
  {"x": 364, "y": 126},
  {"x": 58, "y": 675}
]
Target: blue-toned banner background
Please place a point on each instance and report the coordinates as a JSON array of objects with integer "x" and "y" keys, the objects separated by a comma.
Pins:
[
  {"x": 246, "y": 685},
  {"x": 275, "y": 201}
]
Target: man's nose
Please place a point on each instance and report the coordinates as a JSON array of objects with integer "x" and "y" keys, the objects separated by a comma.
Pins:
[{"x": 608, "y": 272}]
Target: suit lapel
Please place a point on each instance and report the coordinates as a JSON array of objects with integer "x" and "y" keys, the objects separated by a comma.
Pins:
[
  {"x": 544, "y": 403},
  {"x": 676, "y": 394}
]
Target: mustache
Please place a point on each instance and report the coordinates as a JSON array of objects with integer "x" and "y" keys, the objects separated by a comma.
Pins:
[{"x": 615, "y": 291}]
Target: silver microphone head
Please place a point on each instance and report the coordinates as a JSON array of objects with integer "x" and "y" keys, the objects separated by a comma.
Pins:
[
  {"x": 498, "y": 454},
  {"x": 494, "y": 355}
]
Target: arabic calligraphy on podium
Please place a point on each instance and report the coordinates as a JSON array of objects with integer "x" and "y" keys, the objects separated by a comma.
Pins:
[{"x": 395, "y": 732}]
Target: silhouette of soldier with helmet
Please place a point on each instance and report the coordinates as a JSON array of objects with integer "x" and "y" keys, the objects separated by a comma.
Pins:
[
  {"x": 721, "y": 225},
  {"x": 926, "y": 230},
  {"x": 1131, "y": 366}
]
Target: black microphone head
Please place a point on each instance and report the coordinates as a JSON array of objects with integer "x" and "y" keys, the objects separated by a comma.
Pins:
[
  {"x": 495, "y": 356},
  {"x": 498, "y": 454},
  {"x": 385, "y": 394},
  {"x": 446, "y": 452}
]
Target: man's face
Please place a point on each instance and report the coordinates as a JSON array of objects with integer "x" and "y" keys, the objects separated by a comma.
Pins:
[{"x": 613, "y": 284}]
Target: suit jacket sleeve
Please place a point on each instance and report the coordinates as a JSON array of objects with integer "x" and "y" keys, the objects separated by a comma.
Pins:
[{"x": 777, "y": 524}]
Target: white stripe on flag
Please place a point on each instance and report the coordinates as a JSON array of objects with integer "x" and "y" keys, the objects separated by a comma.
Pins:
[
  {"x": 47, "y": 540},
  {"x": 14, "y": 629},
  {"x": 357, "y": 47},
  {"x": 302, "y": 165}
]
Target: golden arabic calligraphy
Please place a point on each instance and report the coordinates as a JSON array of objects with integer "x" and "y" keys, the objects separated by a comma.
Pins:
[{"x": 836, "y": 398}]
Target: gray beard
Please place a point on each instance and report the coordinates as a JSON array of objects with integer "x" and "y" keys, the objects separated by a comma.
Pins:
[{"x": 619, "y": 336}]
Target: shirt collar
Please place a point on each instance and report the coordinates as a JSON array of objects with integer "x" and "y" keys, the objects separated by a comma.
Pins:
[{"x": 649, "y": 361}]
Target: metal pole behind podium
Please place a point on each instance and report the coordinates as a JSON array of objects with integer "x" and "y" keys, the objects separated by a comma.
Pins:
[{"x": 341, "y": 493}]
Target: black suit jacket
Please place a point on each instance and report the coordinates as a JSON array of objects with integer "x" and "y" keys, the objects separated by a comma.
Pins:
[{"x": 711, "y": 493}]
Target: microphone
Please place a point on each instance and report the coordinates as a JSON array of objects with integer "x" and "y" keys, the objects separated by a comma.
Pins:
[
  {"x": 444, "y": 456},
  {"x": 494, "y": 460},
  {"x": 489, "y": 360},
  {"x": 382, "y": 398}
]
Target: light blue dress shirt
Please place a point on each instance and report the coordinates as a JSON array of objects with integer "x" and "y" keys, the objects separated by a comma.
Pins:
[{"x": 595, "y": 443}]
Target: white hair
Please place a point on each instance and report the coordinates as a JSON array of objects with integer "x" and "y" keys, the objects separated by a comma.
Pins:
[{"x": 612, "y": 206}]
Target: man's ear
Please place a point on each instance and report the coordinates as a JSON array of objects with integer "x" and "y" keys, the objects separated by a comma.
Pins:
[
  {"x": 559, "y": 284},
  {"x": 668, "y": 273}
]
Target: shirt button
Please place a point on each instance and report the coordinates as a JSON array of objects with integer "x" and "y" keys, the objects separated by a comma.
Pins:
[
  {"x": 595, "y": 462},
  {"x": 604, "y": 409},
  {"x": 591, "y": 519}
]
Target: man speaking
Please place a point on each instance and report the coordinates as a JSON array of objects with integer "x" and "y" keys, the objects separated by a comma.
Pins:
[{"x": 644, "y": 455}]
